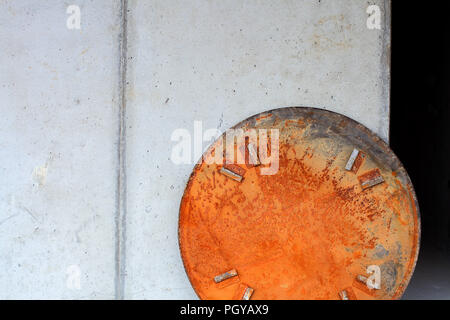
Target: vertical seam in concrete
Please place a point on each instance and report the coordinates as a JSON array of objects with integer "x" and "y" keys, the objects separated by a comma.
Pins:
[
  {"x": 120, "y": 217},
  {"x": 386, "y": 64}
]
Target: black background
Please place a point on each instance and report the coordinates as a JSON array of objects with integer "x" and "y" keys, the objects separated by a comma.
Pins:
[{"x": 420, "y": 118}]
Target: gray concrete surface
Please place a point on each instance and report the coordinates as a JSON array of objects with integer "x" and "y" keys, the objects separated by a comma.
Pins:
[
  {"x": 66, "y": 204},
  {"x": 58, "y": 150}
]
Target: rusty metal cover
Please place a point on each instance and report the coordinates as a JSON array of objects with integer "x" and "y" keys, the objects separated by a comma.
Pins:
[{"x": 340, "y": 206}]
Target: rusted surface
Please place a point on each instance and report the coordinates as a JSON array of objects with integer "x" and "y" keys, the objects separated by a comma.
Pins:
[
  {"x": 232, "y": 173},
  {"x": 344, "y": 295},
  {"x": 348, "y": 294},
  {"x": 225, "y": 276},
  {"x": 253, "y": 159},
  {"x": 356, "y": 161},
  {"x": 310, "y": 230},
  {"x": 351, "y": 160},
  {"x": 362, "y": 279},
  {"x": 371, "y": 179},
  {"x": 247, "y": 293}
]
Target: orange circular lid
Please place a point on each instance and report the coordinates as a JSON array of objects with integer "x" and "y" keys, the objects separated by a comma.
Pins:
[{"x": 315, "y": 207}]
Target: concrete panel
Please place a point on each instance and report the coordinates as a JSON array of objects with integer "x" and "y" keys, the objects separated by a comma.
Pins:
[
  {"x": 220, "y": 62},
  {"x": 58, "y": 149}
]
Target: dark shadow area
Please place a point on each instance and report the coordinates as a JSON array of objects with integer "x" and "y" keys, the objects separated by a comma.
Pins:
[{"x": 420, "y": 132}]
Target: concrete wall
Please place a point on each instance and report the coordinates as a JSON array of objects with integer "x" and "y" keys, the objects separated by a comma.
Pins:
[
  {"x": 58, "y": 149},
  {"x": 87, "y": 180}
]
